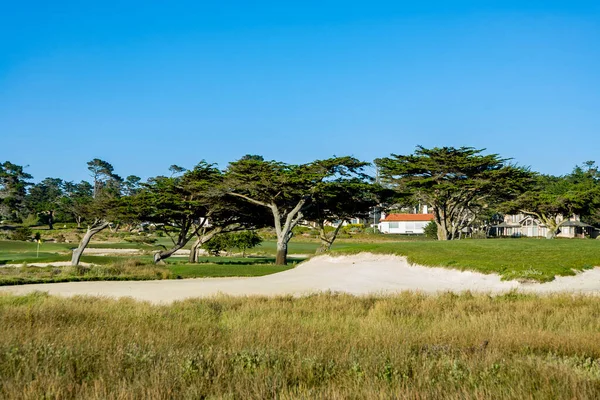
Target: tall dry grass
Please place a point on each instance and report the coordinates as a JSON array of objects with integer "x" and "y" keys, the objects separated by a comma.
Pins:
[{"x": 325, "y": 346}]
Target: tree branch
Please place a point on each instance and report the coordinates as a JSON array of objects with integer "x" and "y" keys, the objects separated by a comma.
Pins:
[{"x": 250, "y": 199}]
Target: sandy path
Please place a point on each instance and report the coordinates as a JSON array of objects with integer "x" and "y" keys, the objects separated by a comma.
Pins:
[{"x": 360, "y": 274}]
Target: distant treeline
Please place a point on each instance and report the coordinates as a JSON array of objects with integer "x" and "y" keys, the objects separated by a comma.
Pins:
[{"x": 464, "y": 187}]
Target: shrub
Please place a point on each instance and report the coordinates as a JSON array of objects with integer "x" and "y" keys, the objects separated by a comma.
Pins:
[
  {"x": 244, "y": 240},
  {"x": 479, "y": 235},
  {"x": 216, "y": 245},
  {"x": 30, "y": 220},
  {"x": 431, "y": 230},
  {"x": 300, "y": 230},
  {"x": 353, "y": 228},
  {"x": 140, "y": 239},
  {"x": 22, "y": 233}
]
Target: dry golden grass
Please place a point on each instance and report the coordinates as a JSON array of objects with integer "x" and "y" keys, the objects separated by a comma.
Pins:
[{"x": 323, "y": 346}]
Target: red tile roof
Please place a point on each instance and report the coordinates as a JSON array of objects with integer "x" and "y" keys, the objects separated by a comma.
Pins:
[{"x": 408, "y": 217}]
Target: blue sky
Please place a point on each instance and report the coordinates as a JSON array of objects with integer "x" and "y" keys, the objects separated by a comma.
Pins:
[{"x": 145, "y": 84}]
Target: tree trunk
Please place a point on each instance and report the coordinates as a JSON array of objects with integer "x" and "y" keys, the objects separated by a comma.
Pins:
[
  {"x": 327, "y": 240},
  {"x": 200, "y": 240},
  {"x": 195, "y": 250},
  {"x": 161, "y": 255},
  {"x": 442, "y": 233},
  {"x": 324, "y": 247},
  {"x": 282, "y": 249},
  {"x": 78, "y": 219},
  {"x": 92, "y": 230},
  {"x": 284, "y": 232},
  {"x": 50, "y": 220},
  {"x": 442, "y": 225},
  {"x": 552, "y": 229}
]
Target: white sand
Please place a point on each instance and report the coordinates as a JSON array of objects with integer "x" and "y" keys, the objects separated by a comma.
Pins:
[
  {"x": 54, "y": 264},
  {"x": 111, "y": 252},
  {"x": 359, "y": 274}
]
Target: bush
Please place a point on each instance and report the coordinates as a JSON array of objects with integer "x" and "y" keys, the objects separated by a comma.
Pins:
[
  {"x": 140, "y": 239},
  {"x": 300, "y": 230},
  {"x": 23, "y": 233},
  {"x": 479, "y": 235},
  {"x": 431, "y": 230},
  {"x": 353, "y": 228},
  {"x": 244, "y": 240},
  {"x": 216, "y": 245},
  {"x": 30, "y": 220},
  {"x": 372, "y": 231}
]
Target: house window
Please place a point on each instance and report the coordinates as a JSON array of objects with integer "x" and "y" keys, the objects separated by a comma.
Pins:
[
  {"x": 394, "y": 225},
  {"x": 410, "y": 226}
]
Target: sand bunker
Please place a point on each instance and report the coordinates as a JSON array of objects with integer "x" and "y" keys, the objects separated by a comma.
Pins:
[
  {"x": 47, "y": 264},
  {"x": 358, "y": 274}
]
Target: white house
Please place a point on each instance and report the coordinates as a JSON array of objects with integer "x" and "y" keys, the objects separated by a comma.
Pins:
[
  {"x": 411, "y": 224},
  {"x": 518, "y": 225}
]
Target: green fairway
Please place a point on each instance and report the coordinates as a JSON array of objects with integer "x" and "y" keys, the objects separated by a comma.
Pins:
[
  {"x": 128, "y": 270},
  {"x": 295, "y": 247},
  {"x": 182, "y": 271},
  {"x": 525, "y": 259},
  {"x": 535, "y": 259}
]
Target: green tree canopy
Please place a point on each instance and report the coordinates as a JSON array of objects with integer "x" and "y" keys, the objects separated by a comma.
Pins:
[
  {"x": 338, "y": 201},
  {"x": 553, "y": 200},
  {"x": 44, "y": 199},
  {"x": 194, "y": 204},
  {"x": 457, "y": 182},
  {"x": 285, "y": 190},
  {"x": 13, "y": 188}
]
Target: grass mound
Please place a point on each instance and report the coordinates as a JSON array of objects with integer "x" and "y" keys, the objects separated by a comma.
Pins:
[{"x": 523, "y": 259}]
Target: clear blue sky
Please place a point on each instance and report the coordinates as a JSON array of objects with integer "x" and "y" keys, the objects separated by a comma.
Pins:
[{"x": 145, "y": 84}]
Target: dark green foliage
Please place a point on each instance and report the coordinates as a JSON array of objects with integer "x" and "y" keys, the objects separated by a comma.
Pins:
[
  {"x": 287, "y": 190},
  {"x": 131, "y": 185},
  {"x": 22, "y": 234},
  {"x": 77, "y": 199},
  {"x": 13, "y": 188},
  {"x": 430, "y": 230},
  {"x": 44, "y": 199},
  {"x": 241, "y": 241},
  {"x": 216, "y": 245},
  {"x": 244, "y": 240},
  {"x": 459, "y": 183},
  {"x": 554, "y": 198},
  {"x": 104, "y": 178},
  {"x": 194, "y": 204},
  {"x": 140, "y": 239}
]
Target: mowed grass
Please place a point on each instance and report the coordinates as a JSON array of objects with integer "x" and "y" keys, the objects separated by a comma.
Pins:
[
  {"x": 122, "y": 268},
  {"x": 324, "y": 346},
  {"x": 525, "y": 259},
  {"x": 528, "y": 259},
  {"x": 223, "y": 270}
]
